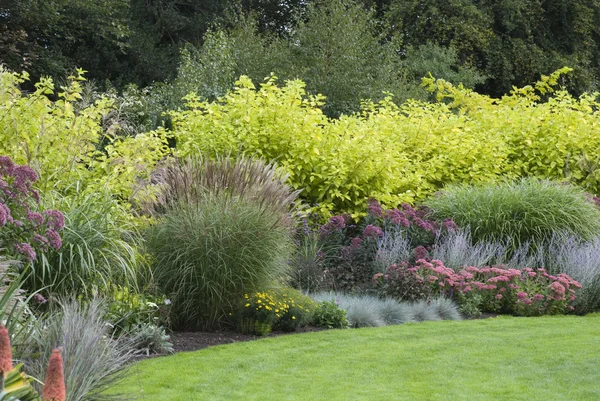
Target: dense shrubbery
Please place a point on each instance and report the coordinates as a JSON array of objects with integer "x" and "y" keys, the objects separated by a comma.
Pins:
[
  {"x": 463, "y": 138},
  {"x": 219, "y": 227},
  {"x": 66, "y": 144}
]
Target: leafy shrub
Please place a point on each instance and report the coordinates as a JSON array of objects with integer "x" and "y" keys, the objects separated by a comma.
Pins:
[
  {"x": 151, "y": 339},
  {"x": 24, "y": 229},
  {"x": 128, "y": 310},
  {"x": 62, "y": 142},
  {"x": 463, "y": 138},
  {"x": 285, "y": 310},
  {"x": 529, "y": 210},
  {"x": 93, "y": 361},
  {"x": 330, "y": 316},
  {"x": 101, "y": 246},
  {"x": 208, "y": 255}
]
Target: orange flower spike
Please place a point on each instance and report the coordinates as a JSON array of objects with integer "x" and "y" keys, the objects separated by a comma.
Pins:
[
  {"x": 54, "y": 385},
  {"x": 5, "y": 351}
]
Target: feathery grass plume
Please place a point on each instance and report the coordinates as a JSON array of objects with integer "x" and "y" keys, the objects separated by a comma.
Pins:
[
  {"x": 446, "y": 309},
  {"x": 528, "y": 210},
  {"x": 457, "y": 249},
  {"x": 423, "y": 312},
  {"x": 393, "y": 247},
  {"x": 189, "y": 180},
  {"x": 54, "y": 384},
  {"x": 209, "y": 254},
  {"x": 565, "y": 253},
  {"x": 5, "y": 351}
]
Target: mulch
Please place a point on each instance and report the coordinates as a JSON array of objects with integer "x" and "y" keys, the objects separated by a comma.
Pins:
[{"x": 187, "y": 341}]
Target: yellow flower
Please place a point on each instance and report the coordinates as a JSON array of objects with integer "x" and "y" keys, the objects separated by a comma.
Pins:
[
  {"x": 293, "y": 317},
  {"x": 276, "y": 310},
  {"x": 247, "y": 305},
  {"x": 259, "y": 301}
]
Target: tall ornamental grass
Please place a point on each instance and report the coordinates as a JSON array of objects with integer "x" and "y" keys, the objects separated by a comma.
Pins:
[
  {"x": 101, "y": 246},
  {"x": 520, "y": 212},
  {"x": 190, "y": 179},
  {"x": 207, "y": 255}
]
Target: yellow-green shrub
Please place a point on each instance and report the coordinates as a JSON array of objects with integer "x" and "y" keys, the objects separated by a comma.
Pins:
[
  {"x": 65, "y": 142},
  {"x": 400, "y": 153}
]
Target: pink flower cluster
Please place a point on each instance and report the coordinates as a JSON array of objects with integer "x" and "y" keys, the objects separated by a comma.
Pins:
[
  {"x": 517, "y": 291},
  {"x": 25, "y": 230}
]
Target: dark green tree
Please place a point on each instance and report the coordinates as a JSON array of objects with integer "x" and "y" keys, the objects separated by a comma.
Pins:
[{"x": 54, "y": 37}]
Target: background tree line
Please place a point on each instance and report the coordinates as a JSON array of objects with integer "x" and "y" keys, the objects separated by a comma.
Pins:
[{"x": 347, "y": 50}]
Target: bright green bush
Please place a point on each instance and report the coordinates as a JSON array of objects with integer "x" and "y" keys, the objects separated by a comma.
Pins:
[
  {"x": 399, "y": 153},
  {"x": 528, "y": 210},
  {"x": 330, "y": 316},
  {"x": 209, "y": 254},
  {"x": 65, "y": 143}
]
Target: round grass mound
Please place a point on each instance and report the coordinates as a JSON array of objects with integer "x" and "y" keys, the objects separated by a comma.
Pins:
[
  {"x": 525, "y": 211},
  {"x": 207, "y": 255}
]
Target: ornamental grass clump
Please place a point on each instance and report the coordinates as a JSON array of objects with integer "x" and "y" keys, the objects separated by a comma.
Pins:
[
  {"x": 190, "y": 180},
  {"x": 101, "y": 246},
  {"x": 526, "y": 211},
  {"x": 209, "y": 254}
]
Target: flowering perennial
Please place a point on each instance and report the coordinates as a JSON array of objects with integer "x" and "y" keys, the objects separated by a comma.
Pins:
[
  {"x": 524, "y": 292},
  {"x": 24, "y": 229}
]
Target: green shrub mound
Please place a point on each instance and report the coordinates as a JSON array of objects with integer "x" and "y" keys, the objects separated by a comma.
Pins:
[
  {"x": 209, "y": 254},
  {"x": 520, "y": 212}
]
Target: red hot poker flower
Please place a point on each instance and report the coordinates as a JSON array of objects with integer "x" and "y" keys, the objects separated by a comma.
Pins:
[
  {"x": 54, "y": 385},
  {"x": 5, "y": 351}
]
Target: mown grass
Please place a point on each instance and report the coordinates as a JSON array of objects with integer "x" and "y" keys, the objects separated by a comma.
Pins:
[{"x": 547, "y": 358}]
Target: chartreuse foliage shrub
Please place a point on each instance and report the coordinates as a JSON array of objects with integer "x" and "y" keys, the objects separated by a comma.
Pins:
[
  {"x": 400, "y": 153},
  {"x": 208, "y": 254},
  {"x": 525, "y": 211},
  {"x": 64, "y": 142}
]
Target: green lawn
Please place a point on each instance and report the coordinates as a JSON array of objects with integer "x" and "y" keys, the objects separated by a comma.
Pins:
[{"x": 548, "y": 358}]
